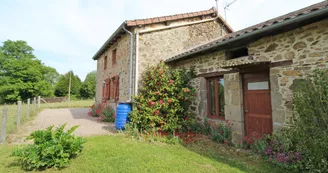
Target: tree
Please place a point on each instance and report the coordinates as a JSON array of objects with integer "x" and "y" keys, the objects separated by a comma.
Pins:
[
  {"x": 22, "y": 75},
  {"x": 88, "y": 88},
  {"x": 61, "y": 87}
]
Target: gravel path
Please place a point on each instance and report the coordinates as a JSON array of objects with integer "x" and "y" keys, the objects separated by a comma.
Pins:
[{"x": 88, "y": 125}]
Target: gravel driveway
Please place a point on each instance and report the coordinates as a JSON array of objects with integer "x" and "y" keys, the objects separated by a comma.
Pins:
[{"x": 88, "y": 125}]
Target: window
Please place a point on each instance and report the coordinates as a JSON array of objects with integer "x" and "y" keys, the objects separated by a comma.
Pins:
[
  {"x": 111, "y": 89},
  {"x": 237, "y": 53},
  {"x": 215, "y": 97},
  {"x": 105, "y": 63},
  {"x": 114, "y": 57},
  {"x": 258, "y": 85}
]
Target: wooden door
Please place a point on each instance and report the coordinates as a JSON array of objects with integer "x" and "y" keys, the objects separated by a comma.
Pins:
[{"x": 257, "y": 103}]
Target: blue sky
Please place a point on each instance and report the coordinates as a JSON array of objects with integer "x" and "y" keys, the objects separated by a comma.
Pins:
[{"x": 67, "y": 33}]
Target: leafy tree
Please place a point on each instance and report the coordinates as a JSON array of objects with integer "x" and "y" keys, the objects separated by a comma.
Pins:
[
  {"x": 61, "y": 87},
  {"x": 22, "y": 75},
  {"x": 88, "y": 88}
]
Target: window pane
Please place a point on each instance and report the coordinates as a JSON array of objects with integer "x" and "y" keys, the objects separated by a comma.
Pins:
[
  {"x": 221, "y": 97},
  {"x": 258, "y": 85},
  {"x": 212, "y": 97}
]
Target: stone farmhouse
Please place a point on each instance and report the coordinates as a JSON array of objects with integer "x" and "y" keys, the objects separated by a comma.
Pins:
[
  {"x": 247, "y": 76},
  {"x": 136, "y": 44}
]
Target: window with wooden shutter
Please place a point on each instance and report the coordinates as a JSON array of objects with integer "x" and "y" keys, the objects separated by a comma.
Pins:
[
  {"x": 112, "y": 88},
  {"x": 108, "y": 88},
  {"x": 114, "y": 57}
]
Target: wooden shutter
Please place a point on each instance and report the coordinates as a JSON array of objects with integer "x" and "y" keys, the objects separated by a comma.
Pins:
[
  {"x": 103, "y": 91},
  {"x": 106, "y": 88},
  {"x": 109, "y": 88},
  {"x": 117, "y": 88}
]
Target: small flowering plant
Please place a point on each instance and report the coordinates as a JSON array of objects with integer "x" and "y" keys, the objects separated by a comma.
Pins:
[
  {"x": 221, "y": 132},
  {"x": 164, "y": 100},
  {"x": 272, "y": 148}
]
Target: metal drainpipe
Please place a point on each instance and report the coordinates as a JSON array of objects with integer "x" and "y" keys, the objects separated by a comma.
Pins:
[
  {"x": 131, "y": 58},
  {"x": 136, "y": 75}
]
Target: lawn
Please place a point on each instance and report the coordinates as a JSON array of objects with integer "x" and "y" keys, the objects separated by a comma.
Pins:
[
  {"x": 12, "y": 111},
  {"x": 122, "y": 154}
]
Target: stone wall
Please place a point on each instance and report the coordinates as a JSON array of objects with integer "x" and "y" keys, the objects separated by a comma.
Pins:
[
  {"x": 307, "y": 47},
  {"x": 154, "y": 47},
  {"x": 158, "y": 46},
  {"x": 121, "y": 68}
]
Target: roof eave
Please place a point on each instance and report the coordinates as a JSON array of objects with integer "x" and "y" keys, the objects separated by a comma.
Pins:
[
  {"x": 277, "y": 26},
  {"x": 110, "y": 39}
]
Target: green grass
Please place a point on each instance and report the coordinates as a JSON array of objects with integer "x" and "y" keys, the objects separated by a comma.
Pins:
[
  {"x": 12, "y": 111},
  {"x": 121, "y": 154},
  {"x": 72, "y": 104}
]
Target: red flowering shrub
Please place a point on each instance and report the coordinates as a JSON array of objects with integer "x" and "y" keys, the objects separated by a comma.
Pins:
[
  {"x": 164, "y": 100},
  {"x": 221, "y": 132},
  {"x": 103, "y": 111}
]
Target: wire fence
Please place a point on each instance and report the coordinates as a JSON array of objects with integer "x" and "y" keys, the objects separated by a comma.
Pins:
[{"x": 16, "y": 114}]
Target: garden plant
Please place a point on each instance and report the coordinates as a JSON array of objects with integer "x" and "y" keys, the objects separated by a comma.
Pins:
[{"x": 50, "y": 148}]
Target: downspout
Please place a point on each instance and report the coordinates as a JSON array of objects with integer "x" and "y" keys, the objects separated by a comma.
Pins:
[
  {"x": 131, "y": 58},
  {"x": 136, "y": 75}
]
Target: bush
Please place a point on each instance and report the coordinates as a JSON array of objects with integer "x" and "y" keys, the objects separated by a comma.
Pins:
[
  {"x": 104, "y": 111},
  {"x": 164, "y": 100},
  {"x": 221, "y": 133},
  {"x": 51, "y": 148},
  {"x": 308, "y": 132}
]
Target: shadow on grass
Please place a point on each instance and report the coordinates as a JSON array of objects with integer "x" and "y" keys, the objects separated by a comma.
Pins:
[{"x": 241, "y": 159}]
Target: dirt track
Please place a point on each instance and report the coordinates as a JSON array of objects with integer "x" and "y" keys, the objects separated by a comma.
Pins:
[{"x": 88, "y": 125}]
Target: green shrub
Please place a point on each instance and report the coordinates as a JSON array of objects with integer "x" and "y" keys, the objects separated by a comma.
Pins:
[
  {"x": 219, "y": 132},
  {"x": 164, "y": 100},
  {"x": 309, "y": 129},
  {"x": 51, "y": 148},
  {"x": 108, "y": 114}
]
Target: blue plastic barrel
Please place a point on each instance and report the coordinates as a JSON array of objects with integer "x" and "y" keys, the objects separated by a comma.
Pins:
[{"x": 122, "y": 112}]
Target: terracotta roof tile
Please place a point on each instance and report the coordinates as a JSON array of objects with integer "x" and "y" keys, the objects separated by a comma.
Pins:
[
  {"x": 148, "y": 21},
  {"x": 180, "y": 16},
  {"x": 155, "y": 20},
  {"x": 140, "y": 22},
  {"x": 171, "y": 17},
  {"x": 174, "y": 17},
  {"x": 162, "y": 19}
]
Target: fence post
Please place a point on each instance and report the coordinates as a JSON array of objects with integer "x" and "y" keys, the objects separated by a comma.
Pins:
[
  {"x": 3, "y": 127},
  {"x": 28, "y": 107},
  {"x": 34, "y": 104},
  {"x": 19, "y": 108},
  {"x": 39, "y": 102}
]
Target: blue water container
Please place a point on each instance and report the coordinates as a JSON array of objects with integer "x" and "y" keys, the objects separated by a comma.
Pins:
[{"x": 122, "y": 112}]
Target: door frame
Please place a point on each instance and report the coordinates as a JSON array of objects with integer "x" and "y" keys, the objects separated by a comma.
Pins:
[{"x": 249, "y": 70}]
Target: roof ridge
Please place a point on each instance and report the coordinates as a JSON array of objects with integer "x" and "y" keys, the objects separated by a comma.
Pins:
[{"x": 211, "y": 9}]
